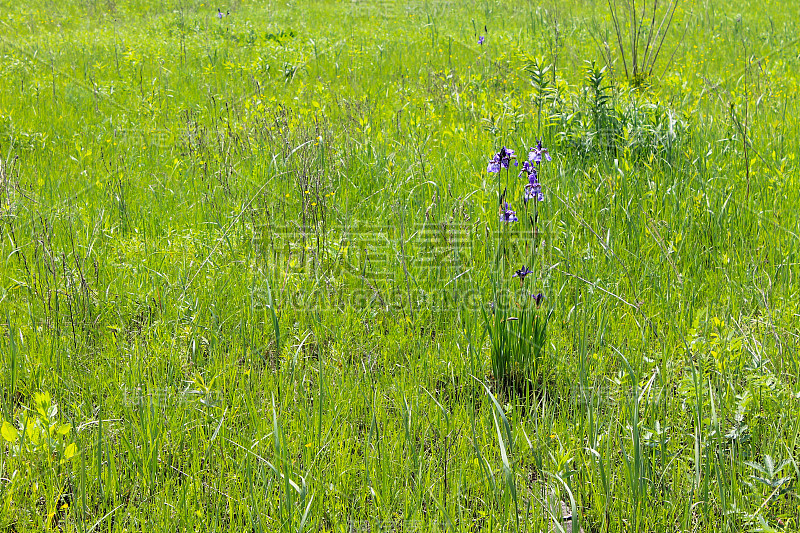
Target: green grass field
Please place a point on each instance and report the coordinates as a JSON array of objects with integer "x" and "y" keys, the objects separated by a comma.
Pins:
[{"x": 254, "y": 277}]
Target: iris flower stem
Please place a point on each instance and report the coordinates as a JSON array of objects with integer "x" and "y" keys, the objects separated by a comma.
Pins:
[{"x": 535, "y": 236}]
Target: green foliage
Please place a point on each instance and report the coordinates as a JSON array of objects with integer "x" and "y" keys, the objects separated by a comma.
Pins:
[
  {"x": 249, "y": 259},
  {"x": 40, "y": 449},
  {"x": 518, "y": 331}
]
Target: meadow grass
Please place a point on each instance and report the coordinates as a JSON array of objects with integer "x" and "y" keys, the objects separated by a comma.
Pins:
[{"x": 250, "y": 265}]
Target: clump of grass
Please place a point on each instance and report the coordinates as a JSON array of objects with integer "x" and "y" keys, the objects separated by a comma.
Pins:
[
  {"x": 641, "y": 28},
  {"x": 515, "y": 322}
]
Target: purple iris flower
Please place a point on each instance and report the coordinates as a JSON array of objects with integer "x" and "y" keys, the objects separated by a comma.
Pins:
[
  {"x": 528, "y": 170},
  {"x": 480, "y": 40},
  {"x": 533, "y": 191},
  {"x": 506, "y": 214},
  {"x": 501, "y": 160},
  {"x": 521, "y": 273},
  {"x": 536, "y": 153},
  {"x": 538, "y": 298}
]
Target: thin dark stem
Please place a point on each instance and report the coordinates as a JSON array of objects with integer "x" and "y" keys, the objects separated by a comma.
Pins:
[
  {"x": 668, "y": 21},
  {"x": 619, "y": 35},
  {"x": 685, "y": 27},
  {"x": 634, "y": 32},
  {"x": 639, "y": 27},
  {"x": 650, "y": 34},
  {"x": 744, "y": 133}
]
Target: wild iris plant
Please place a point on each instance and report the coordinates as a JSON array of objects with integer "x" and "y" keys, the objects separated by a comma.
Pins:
[{"x": 517, "y": 327}]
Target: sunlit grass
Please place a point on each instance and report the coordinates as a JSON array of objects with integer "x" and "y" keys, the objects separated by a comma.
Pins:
[{"x": 250, "y": 261}]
